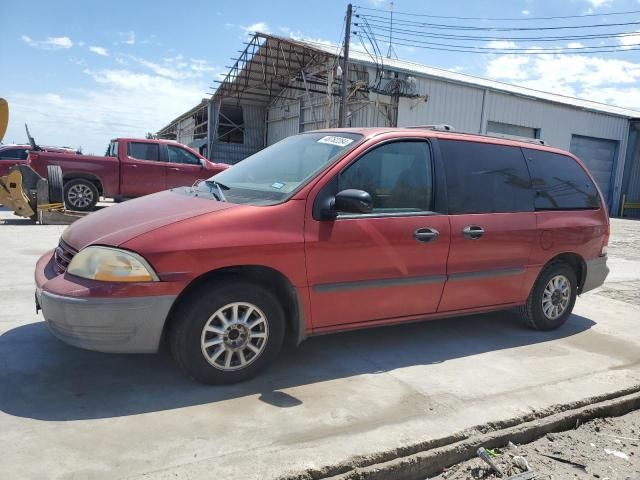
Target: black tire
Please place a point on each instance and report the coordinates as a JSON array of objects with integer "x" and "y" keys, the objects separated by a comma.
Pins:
[
  {"x": 194, "y": 313},
  {"x": 54, "y": 178},
  {"x": 80, "y": 195},
  {"x": 533, "y": 313}
]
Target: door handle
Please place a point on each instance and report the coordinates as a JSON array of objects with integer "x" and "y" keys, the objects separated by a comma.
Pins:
[
  {"x": 175, "y": 169},
  {"x": 426, "y": 235},
  {"x": 132, "y": 165},
  {"x": 473, "y": 232}
]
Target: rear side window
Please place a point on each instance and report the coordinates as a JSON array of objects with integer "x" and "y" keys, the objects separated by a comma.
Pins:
[
  {"x": 144, "y": 151},
  {"x": 559, "y": 182},
  {"x": 14, "y": 154},
  {"x": 485, "y": 178}
]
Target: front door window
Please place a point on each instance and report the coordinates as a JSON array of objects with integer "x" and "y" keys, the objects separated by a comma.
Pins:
[{"x": 398, "y": 176}]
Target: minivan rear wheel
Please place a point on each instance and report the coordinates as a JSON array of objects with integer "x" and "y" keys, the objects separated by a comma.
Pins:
[
  {"x": 227, "y": 333},
  {"x": 552, "y": 298}
]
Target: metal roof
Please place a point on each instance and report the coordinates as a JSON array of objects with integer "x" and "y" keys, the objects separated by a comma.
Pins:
[{"x": 357, "y": 56}]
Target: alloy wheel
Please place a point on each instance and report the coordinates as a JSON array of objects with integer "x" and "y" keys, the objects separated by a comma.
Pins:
[
  {"x": 234, "y": 336},
  {"x": 556, "y": 297},
  {"x": 80, "y": 196}
]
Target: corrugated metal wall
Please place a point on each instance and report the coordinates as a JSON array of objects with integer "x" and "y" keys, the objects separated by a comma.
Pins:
[
  {"x": 374, "y": 112},
  {"x": 253, "y": 117},
  {"x": 283, "y": 120},
  {"x": 445, "y": 102},
  {"x": 185, "y": 129},
  {"x": 556, "y": 122}
]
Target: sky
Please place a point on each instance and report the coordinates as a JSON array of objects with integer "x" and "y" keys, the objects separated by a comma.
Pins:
[{"x": 82, "y": 72}]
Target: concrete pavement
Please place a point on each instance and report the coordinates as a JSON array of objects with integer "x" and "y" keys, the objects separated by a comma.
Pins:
[{"x": 68, "y": 413}]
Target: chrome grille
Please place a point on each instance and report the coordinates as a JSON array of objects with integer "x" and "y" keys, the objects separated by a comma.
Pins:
[{"x": 62, "y": 257}]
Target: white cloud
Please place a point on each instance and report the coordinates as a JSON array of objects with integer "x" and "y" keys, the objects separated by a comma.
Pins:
[
  {"x": 377, "y": 3},
  {"x": 201, "y": 66},
  {"x": 51, "y": 43},
  {"x": 298, "y": 35},
  {"x": 599, "y": 3},
  {"x": 99, "y": 50},
  {"x": 630, "y": 41},
  {"x": 501, "y": 44},
  {"x": 175, "y": 68},
  {"x": 575, "y": 45},
  {"x": 601, "y": 79},
  {"x": 256, "y": 27},
  {"x": 130, "y": 99},
  {"x": 525, "y": 12},
  {"x": 508, "y": 67}
]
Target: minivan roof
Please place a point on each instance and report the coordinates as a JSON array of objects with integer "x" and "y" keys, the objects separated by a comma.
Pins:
[{"x": 430, "y": 132}]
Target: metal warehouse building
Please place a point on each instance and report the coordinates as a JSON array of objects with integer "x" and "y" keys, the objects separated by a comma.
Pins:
[{"x": 280, "y": 87}]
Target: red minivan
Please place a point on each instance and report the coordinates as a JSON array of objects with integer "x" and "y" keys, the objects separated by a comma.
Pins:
[{"x": 328, "y": 231}]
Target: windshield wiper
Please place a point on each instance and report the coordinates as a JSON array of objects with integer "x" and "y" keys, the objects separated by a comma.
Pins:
[{"x": 219, "y": 186}]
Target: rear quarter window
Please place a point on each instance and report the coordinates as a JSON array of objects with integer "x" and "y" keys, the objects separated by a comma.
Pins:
[
  {"x": 144, "y": 151},
  {"x": 485, "y": 178},
  {"x": 14, "y": 154},
  {"x": 559, "y": 182}
]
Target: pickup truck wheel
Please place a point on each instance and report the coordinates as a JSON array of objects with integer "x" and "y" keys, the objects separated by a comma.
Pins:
[
  {"x": 227, "y": 333},
  {"x": 80, "y": 194},
  {"x": 552, "y": 298},
  {"x": 54, "y": 178}
]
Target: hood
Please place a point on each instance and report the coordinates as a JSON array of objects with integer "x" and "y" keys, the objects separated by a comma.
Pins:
[{"x": 120, "y": 223}]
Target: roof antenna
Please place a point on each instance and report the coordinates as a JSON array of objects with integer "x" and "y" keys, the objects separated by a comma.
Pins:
[{"x": 391, "y": 51}]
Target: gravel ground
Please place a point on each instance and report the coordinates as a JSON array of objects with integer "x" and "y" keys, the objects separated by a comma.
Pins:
[{"x": 607, "y": 448}]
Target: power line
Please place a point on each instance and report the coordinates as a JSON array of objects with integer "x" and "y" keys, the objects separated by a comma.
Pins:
[
  {"x": 519, "y": 49},
  {"x": 499, "y": 19},
  {"x": 421, "y": 33},
  {"x": 440, "y": 26},
  {"x": 522, "y": 51}
]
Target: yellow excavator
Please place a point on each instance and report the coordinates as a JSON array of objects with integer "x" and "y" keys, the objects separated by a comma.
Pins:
[{"x": 25, "y": 192}]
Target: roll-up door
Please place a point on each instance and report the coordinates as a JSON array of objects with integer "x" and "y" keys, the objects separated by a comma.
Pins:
[{"x": 599, "y": 156}]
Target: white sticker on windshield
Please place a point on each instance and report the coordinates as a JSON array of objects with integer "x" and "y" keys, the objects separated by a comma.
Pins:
[
  {"x": 277, "y": 185},
  {"x": 333, "y": 140}
]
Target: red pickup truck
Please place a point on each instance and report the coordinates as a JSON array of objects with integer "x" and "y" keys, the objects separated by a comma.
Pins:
[
  {"x": 11, "y": 155},
  {"x": 131, "y": 167}
]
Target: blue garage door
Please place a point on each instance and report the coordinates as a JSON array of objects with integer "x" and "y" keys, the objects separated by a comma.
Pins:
[{"x": 599, "y": 156}]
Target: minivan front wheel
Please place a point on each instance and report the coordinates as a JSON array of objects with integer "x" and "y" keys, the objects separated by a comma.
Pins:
[
  {"x": 227, "y": 333},
  {"x": 552, "y": 298}
]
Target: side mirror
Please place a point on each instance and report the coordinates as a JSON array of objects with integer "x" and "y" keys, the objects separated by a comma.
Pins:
[
  {"x": 353, "y": 201},
  {"x": 203, "y": 163}
]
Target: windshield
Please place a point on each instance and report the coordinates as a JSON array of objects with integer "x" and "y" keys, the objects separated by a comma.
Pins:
[{"x": 272, "y": 174}]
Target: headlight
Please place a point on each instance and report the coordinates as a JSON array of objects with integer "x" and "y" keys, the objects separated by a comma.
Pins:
[{"x": 111, "y": 265}]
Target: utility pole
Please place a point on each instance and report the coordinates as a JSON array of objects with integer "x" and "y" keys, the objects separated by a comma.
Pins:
[{"x": 345, "y": 70}]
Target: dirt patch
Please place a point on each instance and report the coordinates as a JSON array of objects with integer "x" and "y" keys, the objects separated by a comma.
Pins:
[
  {"x": 605, "y": 448},
  {"x": 628, "y": 292}
]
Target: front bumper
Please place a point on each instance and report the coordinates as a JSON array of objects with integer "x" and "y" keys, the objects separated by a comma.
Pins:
[
  {"x": 121, "y": 325},
  {"x": 597, "y": 272},
  {"x": 114, "y": 324}
]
